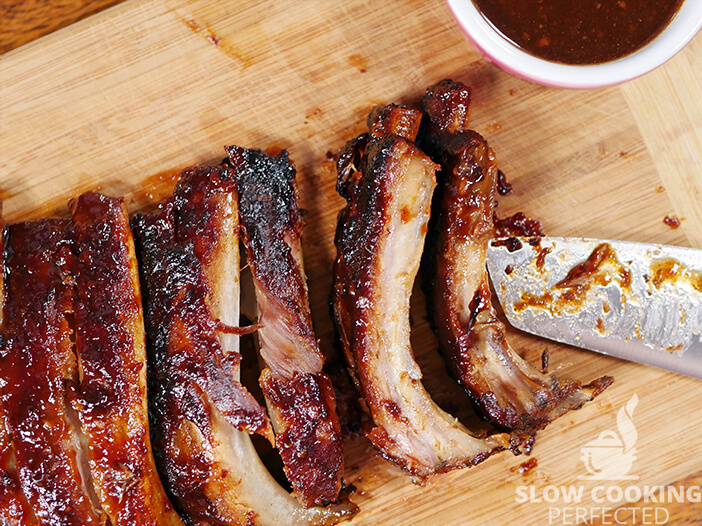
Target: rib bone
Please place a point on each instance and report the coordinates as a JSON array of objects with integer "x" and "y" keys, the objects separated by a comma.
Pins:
[
  {"x": 110, "y": 397},
  {"x": 38, "y": 363},
  {"x": 299, "y": 395}
]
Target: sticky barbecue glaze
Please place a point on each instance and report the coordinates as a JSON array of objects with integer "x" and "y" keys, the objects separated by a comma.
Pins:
[
  {"x": 38, "y": 363},
  {"x": 299, "y": 396},
  {"x": 569, "y": 295},
  {"x": 110, "y": 398},
  {"x": 78, "y": 449},
  {"x": 202, "y": 415},
  {"x": 308, "y": 434},
  {"x": 190, "y": 374},
  {"x": 14, "y": 507},
  {"x": 508, "y": 391},
  {"x": 579, "y": 31},
  {"x": 517, "y": 225},
  {"x": 388, "y": 182},
  {"x": 669, "y": 270}
]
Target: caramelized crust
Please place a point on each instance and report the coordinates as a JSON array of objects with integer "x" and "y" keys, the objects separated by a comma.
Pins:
[
  {"x": 271, "y": 227},
  {"x": 14, "y": 507},
  {"x": 189, "y": 264},
  {"x": 299, "y": 396},
  {"x": 509, "y": 392},
  {"x": 110, "y": 344},
  {"x": 38, "y": 363},
  {"x": 379, "y": 241},
  {"x": 394, "y": 120},
  {"x": 447, "y": 104},
  {"x": 191, "y": 376},
  {"x": 180, "y": 247},
  {"x": 307, "y": 433}
]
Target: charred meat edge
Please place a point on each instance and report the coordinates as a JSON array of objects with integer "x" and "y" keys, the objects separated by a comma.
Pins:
[
  {"x": 508, "y": 391},
  {"x": 110, "y": 398},
  {"x": 379, "y": 241},
  {"x": 299, "y": 396},
  {"x": 38, "y": 364},
  {"x": 189, "y": 255}
]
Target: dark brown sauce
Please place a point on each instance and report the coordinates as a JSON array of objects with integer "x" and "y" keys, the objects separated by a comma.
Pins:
[
  {"x": 512, "y": 243},
  {"x": 517, "y": 225},
  {"x": 525, "y": 467},
  {"x": 579, "y": 31},
  {"x": 503, "y": 187},
  {"x": 541, "y": 258},
  {"x": 600, "y": 326}
]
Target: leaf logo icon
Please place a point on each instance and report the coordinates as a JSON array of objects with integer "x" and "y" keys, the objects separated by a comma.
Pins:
[
  {"x": 625, "y": 423},
  {"x": 611, "y": 455}
]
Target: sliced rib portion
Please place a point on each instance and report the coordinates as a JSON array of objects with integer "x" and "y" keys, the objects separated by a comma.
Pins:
[
  {"x": 201, "y": 413},
  {"x": 15, "y": 510},
  {"x": 299, "y": 396},
  {"x": 509, "y": 392},
  {"x": 38, "y": 363},
  {"x": 379, "y": 242},
  {"x": 110, "y": 344}
]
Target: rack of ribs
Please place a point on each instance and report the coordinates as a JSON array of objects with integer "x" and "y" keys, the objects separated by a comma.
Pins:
[{"x": 73, "y": 359}]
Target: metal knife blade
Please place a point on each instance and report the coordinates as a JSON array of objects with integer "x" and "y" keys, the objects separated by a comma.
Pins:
[{"x": 637, "y": 301}]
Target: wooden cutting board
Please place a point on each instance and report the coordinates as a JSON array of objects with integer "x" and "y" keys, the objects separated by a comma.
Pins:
[{"x": 122, "y": 100}]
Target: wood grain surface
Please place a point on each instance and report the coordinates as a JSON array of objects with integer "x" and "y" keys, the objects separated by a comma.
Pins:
[
  {"x": 27, "y": 20},
  {"x": 122, "y": 100}
]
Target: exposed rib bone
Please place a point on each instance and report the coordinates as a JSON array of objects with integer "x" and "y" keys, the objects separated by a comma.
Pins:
[{"x": 379, "y": 242}]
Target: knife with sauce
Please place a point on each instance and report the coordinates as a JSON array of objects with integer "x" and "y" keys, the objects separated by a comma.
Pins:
[{"x": 637, "y": 301}]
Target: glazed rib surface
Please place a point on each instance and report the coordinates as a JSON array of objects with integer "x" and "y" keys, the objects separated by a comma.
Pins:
[
  {"x": 299, "y": 395},
  {"x": 110, "y": 398},
  {"x": 38, "y": 365},
  {"x": 15, "y": 510},
  {"x": 388, "y": 184},
  {"x": 189, "y": 255},
  {"x": 509, "y": 391}
]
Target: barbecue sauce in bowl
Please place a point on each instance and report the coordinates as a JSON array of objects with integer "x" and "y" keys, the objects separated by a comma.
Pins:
[{"x": 579, "y": 31}]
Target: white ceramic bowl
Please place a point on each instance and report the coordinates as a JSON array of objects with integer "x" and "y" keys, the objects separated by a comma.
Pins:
[{"x": 496, "y": 48}]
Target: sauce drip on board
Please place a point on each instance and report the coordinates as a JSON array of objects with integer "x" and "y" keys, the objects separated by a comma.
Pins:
[{"x": 579, "y": 31}]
